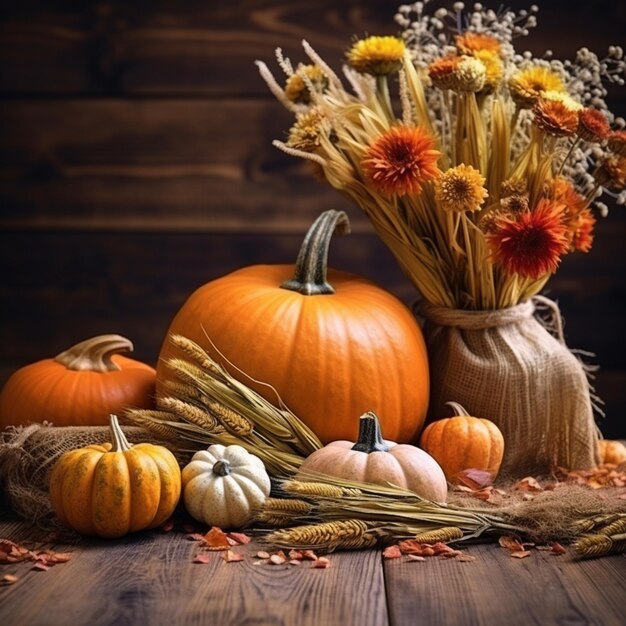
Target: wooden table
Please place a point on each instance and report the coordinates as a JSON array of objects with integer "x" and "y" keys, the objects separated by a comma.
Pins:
[{"x": 149, "y": 579}]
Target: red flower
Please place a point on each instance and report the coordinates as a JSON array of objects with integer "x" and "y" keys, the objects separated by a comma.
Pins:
[
  {"x": 530, "y": 243},
  {"x": 401, "y": 161}
]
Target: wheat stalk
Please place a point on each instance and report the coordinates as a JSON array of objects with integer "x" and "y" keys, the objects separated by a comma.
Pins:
[{"x": 347, "y": 534}]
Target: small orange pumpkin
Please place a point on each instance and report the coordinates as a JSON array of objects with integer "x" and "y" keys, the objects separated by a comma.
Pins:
[
  {"x": 463, "y": 442},
  {"x": 330, "y": 351},
  {"x": 80, "y": 386},
  {"x": 113, "y": 489},
  {"x": 611, "y": 452},
  {"x": 374, "y": 460}
]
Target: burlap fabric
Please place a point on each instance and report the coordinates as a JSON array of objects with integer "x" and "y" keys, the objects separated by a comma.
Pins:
[
  {"x": 505, "y": 366},
  {"x": 28, "y": 454}
]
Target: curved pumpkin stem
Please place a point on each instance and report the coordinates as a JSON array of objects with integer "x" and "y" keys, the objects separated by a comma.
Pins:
[
  {"x": 95, "y": 354},
  {"x": 312, "y": 262},
  {"x": 118, "y": 438},
  {"x": 459, "y": 411},
  {"x": 222, "y": 468},
  {"x": 370, "y": 438}
]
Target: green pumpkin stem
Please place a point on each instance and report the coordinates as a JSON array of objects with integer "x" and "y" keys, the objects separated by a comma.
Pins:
[
  {"x": 118, "y": 438},
  {"x": 370, "y": 438},
  {"x": 312, "y": 262},
  {"x": 222, "y": 468},
  {"x": 95, "y": 354}
]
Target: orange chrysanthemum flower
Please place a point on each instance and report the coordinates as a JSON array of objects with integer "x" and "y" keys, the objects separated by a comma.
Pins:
[
  {"x": 460, "y": 188},
  {"x": 442, "y": 72},
  {"x": 612, "y": 172},
  {"x": 617, "y": 142},
  {"x": 583, "y": 235},
  {"x": 401, "y": 161},
  {"x": 469, "y": 43},
  {"x": 574, "y": 205},
  {"x": 531, "y": 243},
  {"x": 593, "y": 125},
  {"x": 555, "y": 117}
]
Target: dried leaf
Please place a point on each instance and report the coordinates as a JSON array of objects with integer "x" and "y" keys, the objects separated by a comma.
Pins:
[
  {"x": 261, "y": 554},
  {"x": 520, "y": 554},
  {"x": 465, "y": 558},
  {"x": 8, "y": 579},
  {"x": 216, "y": 539},
  {"x": 240, "y": 538},
  {"x": 528, "y": 484},
  {"x": 474, "y": 478},
  {"x": 58, "y": 557},
  {"x": 415, "y": 557},
  {"x": 203, "y": 558},
  {"x": 321, "y": 563},
  {"x": 392, "y": 552},
  {"x": 296, "y": 555},
  {"x": 558, "y": 549},
  {"x": 510, "y": 543},
  {"x": 411, "y": 546},
  {"x": 277, "y": 559},
  {"x": 309, "y": 555},
  {"x": 231, "y": 557},
  {"x": 41, "y": 566},
  {"x": 295, "y": 562}
]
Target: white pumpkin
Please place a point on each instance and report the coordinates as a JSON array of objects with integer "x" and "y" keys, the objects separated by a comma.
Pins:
[{"x": 223, "y": 485}]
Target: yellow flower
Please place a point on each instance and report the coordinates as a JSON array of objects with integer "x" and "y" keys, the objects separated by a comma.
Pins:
[
  {"x": 296, "y": 88},
  {"x": 401, "y": 160},
  {"x": 493, "y": 69},
  {"x": 376, "y": 55},
  {"x": 529, "y": 84},
  {"x": 564, "y": 98},
  {"x": 460, "y": 189},
  {"x": 306, "y": 133},
  {"x": 470, "y": 43}
]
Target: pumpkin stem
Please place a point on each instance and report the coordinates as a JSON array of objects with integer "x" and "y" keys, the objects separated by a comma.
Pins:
[
  {"x": 370, "y": 438},
  {"x": 118, "y": 438},
  {"x": 459, "y": 411},
  {"x": 222, "y": 468},
  {"x": 312, "y": 263},
  {"x": 95, "y": 354}
]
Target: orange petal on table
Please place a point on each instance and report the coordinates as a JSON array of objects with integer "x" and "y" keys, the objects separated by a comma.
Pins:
[
  {"x": 240, "y": 538},
  {"x": 510, "y": 543},
  {"x": 392, "y": 552},
  {"x": 520, "y": 554},
  {"x": 231, "y": 557},
  {"x": 261, "y": 554},
  {"x": 216, "y": 539},
  {"x": 322, "y": 563},
  {"x": 8, "y": 579},
  {"x": 415, "y": 557},
  {"x": 277, "y": 559},
  {"x": 558, "y": 549},
  {"x": 309, "y": 555},
  {"x": 465, "y": 558}
]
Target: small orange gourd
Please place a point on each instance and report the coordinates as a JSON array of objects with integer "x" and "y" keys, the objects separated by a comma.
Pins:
[
  {"x": 332, "y": 344},
  {"x": 372, "y": 459},
  {"x": 612, "y": 452},
  {"x": 81, "y": 386},
  {"x": 112, "y": 489},
  {"x": 464, "y": 442}
]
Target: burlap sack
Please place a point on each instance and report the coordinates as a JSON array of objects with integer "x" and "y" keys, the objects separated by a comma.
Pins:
[{"x": 505, "y": 366}]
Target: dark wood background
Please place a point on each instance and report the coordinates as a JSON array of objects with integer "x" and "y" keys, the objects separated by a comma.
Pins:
[{"x": 136, "y": 164}]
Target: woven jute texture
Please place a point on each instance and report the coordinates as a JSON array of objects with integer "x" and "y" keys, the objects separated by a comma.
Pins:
[
  {"x": 28, "y": 453},
  {"x": 505, "y": 366}
]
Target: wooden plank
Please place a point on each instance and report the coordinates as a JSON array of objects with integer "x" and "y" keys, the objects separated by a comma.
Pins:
[
  {"x": 497, "y": 589},
  {"x": 195, "y": 47},
  {"x": 155, "y": 165},
  {"x": 149, "y": 578}
]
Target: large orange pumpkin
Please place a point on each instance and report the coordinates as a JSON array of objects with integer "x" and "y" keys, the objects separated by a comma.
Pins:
[
  {"x": 81, "y": 386},
  {"x": 332, "y": 344}
]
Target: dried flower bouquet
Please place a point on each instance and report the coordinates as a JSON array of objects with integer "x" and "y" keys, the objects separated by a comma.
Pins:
[
  {"x": 480, "y": 176},
  {"x": 483, "y": 175}
]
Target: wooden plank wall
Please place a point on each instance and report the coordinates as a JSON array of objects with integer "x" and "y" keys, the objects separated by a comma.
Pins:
[{"x": 136, "y": 163}]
